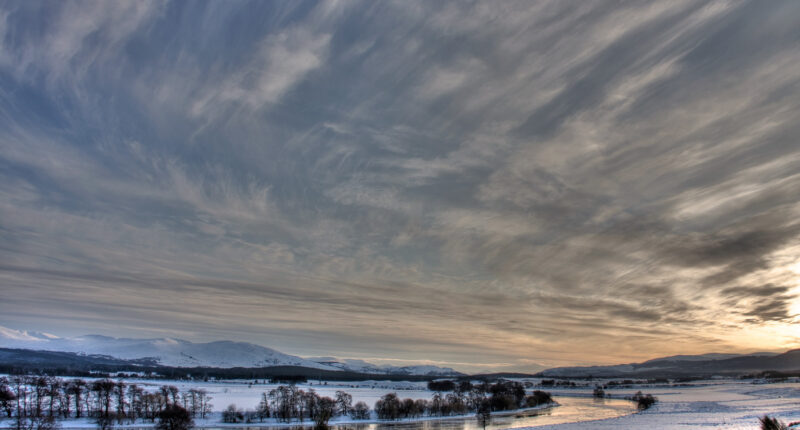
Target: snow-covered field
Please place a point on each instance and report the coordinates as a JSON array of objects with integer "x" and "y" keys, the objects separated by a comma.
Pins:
[
  {"x": 246, "y": 395},
  {"x": 728, "y": 404},
  {"x": 724, "y": 404}
]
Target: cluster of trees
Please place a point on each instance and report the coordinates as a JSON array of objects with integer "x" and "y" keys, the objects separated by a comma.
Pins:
[
  {"x": 465, "y": 398},
  {"x": 38, "y": 401},
  {"x": 445, "y": 385},
  {"x": 626, "y": 383},
  {"x": 287, "y": 403},
  {"x": 557, "y": 383},
  {"x": 644, "y": 401}
]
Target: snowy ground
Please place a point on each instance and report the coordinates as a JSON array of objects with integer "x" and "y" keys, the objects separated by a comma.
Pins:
[
  {"x": 728, "y": 404},
  {"x": 246, "y": 395},
  {"x": 704, "y": 405}
]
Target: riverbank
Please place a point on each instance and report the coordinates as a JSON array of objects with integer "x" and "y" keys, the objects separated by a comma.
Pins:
[
  {"x": 701, "y": 405},
  {"x": 214, "y": 420}
]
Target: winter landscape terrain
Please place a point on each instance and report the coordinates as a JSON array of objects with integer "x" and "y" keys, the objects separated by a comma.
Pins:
[
  {"x": 728, "y": 391},
  {"x": 399, "y": 214},
  {"x": 718, "y": 404}
]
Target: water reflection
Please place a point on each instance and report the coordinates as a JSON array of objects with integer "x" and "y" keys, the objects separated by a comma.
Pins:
[{"x": 572, "y": 409}]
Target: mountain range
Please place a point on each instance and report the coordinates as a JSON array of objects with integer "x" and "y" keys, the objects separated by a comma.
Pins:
[
  {"x": 688, "y": 365},
  {"x": 28, "y": 346},
  {"x": 182, "y": 353}
]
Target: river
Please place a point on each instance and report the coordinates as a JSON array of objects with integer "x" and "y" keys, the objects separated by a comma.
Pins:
[{"x": 571, "y": 409}]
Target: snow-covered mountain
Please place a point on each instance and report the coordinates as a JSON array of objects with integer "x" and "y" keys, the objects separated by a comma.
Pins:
[
  {"x": 361, "y": 366},
  {"x": 164, "y": 351},
  {"x": 183, "y": 353}
]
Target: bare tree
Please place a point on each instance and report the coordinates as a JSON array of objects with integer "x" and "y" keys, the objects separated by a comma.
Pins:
[
  {"x": 76, "y": 388},
  {"x": 103, "y": 391},
  {"x": 232, "y": 415},
  {"x": 388, "y": 407},
  {"x": 135, "y": 404},
  {"x": 170, "y": 394},
  {"x": 119, "y": 394},
  {"x": 204, "y": 402},
  {"x": 326, "y": 407},
  {"x": 262, "y": 410},
  {"x": 484, "y": 414},
  {"x": 360, "y": 411},
  {"x": 344, "y": 403},
  {"x": 7, "y": 397}
]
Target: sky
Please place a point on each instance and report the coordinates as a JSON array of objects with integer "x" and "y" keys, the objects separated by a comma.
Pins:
[{"x": 483, "y": 185}]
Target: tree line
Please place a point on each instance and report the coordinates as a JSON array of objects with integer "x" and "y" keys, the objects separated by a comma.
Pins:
[
  {"x": 38, "y": 401},
  {"x": 287, "y": 402},
  {"x": 464, "y": 398}
]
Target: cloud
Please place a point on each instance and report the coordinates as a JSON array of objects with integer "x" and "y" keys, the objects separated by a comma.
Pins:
[
  {"x": 279, "y": 63},
  {"x": 415, "y": 181},
  {"x": 776, "y": 310},
  {"x": 763, "y": 302},
  {"x": 68, "y": 47},
  {"x": 757, "y": 291}
]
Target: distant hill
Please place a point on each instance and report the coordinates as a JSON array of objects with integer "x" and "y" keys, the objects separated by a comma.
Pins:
[
  {"x": 354, "y": 365},
  {"x": 178, "y": 353},
  {"x": 27, "y": 357},
  {"x": 74, "y": 364},
  {"x": 687, "y": 365}
]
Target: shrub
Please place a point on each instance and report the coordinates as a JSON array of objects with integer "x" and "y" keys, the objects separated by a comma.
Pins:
[
  {"x": 644, "y": 401},
  {"x": 768, "y": 423},
  {"x": 538, "y": 398},
  {"x": 441, "y": 385},
  {"x": 232, "y": 415},
  {"x": 174, "y": 417},
  {"x": 360, "y": 411}
]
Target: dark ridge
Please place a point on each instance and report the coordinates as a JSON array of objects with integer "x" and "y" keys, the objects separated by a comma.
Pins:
[
  {"x": 495, "y": 376},
  {"x": 665, "y": 368}
]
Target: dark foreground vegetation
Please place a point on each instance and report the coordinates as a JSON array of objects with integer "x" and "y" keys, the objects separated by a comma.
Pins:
[
  {"x": 40, "y": 402},
  {"x": 770, "y": 423},
  {"x": 289, "y": 403},
  {"x": 644, "y": 401},
  {"x": 466, "y": 398}
]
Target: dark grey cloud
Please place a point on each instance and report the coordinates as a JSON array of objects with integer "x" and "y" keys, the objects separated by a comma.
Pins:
[
  {"x": 775, "y": 310},
  {"x": 768, "y": 290},
  {"x": 405, "y": 180},
  {"x": 762, "y": 303}
]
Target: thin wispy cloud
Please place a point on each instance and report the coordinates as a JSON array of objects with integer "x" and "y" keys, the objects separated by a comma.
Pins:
[{"x": 514, "y": 183}]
